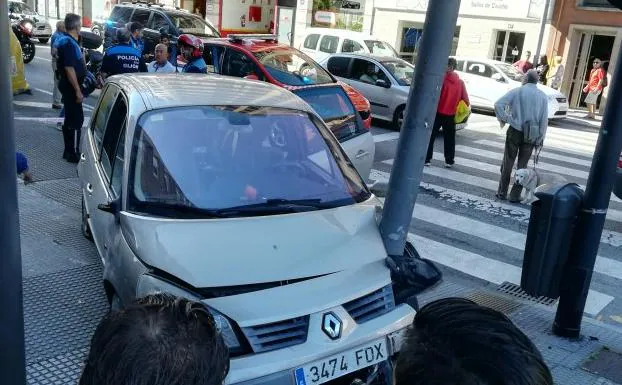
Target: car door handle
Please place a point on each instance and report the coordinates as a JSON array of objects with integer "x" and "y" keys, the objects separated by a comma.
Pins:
[
  {"x": 361, "y": 154},
  {"x": 89, "y": 188}
]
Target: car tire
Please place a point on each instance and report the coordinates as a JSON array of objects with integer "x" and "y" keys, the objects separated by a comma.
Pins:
[
  {"x": 96, "y": 30},
  {"x": 44, "y": 41},
  {"x": 115, "y": 303},
  {"x": 86, "y": 228},
  {"x": 398, "y": 117}
]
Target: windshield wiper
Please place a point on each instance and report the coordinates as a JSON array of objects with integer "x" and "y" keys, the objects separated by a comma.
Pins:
[
  {"x": 158, "y": 206},
  {"x": 277, "y": 206}
]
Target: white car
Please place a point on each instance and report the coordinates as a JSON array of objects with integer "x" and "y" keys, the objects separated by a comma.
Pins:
[
  {"x": 236, "y": 194},
  {"x": 487, "y": 80},
  {"x": 319, "y": 43}
]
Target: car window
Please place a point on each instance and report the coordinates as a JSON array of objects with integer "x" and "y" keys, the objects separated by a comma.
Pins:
[
  {"x": 479, "y": 69},
  {"x": 329, "y": 44},
  {"x": 121, "y": 14},
  {"x": 380, "y": 48},
  {"x": 141, "y": 15},
  {"x": 459, "y": 65},
  {"x": 113, "y": 131},
  {"x": 159, "y": 21},
  {"x": 367, "y": 72},
  {"x": 16, "y": 7},
  {"x": 235, "y": 157},
  {"x": 103, "y": 111},
  {"x": 192, "y": 24},
  {"x": 338, "y": 66},
  {"x": 401, "y": 70},
  {"x": 292, "y": 67},
  {"x": 116, "y": 180},
  {"x": 212, "y": 55},
  {"x": 239, "y": 65},
  {"x": 311, "y": 41},
  {"x": 351, "y": 46}
]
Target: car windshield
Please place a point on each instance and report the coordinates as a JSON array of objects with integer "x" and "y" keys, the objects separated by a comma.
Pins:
[
  {"x": 193, "y": 25},
  {"x": 16, "y": 7},
  {"x": 234, "y": 161},
  {"x": 401, "y": 70},
  {"x": 380, "y": 48},
  {"x": 292, "y": 67},
  {"x": 511, "y": 71}
]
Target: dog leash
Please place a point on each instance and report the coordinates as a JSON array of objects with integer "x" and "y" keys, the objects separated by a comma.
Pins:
[{"x": 536, "y": 156}]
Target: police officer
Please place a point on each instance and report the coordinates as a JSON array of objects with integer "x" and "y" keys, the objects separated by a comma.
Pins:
[
  {"x": 136, "y": 36},
  {"x": 71, "y": 72},
  {"x": 122, "y": 58},
  {"x": 191, "y": 48}
]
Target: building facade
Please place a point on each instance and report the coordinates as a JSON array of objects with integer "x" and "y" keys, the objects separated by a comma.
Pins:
[{"x": 582, "y": 30}]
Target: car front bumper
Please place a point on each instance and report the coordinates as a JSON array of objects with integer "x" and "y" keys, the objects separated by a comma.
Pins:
[
  {"x": 558, "y": 108},
  {"x": 42, "y": 31},
  {"x": 278, "y": 367},
  {"x": 617, "y": 185}
]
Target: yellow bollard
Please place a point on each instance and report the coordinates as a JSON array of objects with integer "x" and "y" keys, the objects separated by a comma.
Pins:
[{"x": 18, "y": 74}]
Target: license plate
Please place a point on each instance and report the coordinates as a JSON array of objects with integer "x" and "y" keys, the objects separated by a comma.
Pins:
[{"x": 327, "y": 369}]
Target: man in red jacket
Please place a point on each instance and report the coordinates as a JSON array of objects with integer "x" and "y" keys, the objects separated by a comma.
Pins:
[{"x": 452, "y": 92}]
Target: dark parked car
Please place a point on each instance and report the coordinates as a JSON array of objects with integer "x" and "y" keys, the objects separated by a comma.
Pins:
[{"x": 155, "y": 18}]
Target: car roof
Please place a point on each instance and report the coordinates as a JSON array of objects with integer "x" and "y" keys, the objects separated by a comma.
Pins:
[
  {"x": 367, "y": 55},
  {"x": 479, "y": 59},
  {"x": 338, "y": 32},
  {"x": 160, "y": 7},
  {"x": 175, "y": 90},
  {"x": 251, "y": 45}
]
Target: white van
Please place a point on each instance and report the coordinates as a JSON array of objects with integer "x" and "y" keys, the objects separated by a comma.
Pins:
[{"x": 319, "y": 43}]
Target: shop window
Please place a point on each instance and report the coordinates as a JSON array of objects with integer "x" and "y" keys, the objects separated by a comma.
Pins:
[
  {"x": 329, "y": 44},
  {"x": 508, "y": 46},
  {"x": 311, "y": 41}
]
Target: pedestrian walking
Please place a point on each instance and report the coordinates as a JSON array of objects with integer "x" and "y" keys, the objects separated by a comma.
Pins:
[
  {"x": 525, "y": 109},
  {"x": 72, "y": 71},
  {"x": 453, "y": 92},
  {"x": 122, "y": 57},
  {"x": 594, "y": 87},
  {"x": 543, "y": 68},
  {"x": 524, "y": 64},
  {"x": 161, "y": 63},
  {"x": 57, "y": 102},
  {"x": 556, "y": 73}
]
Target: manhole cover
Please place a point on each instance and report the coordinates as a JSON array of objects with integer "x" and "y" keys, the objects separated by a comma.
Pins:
[
  {"x": 605, "y": 363},
  {"x": 515, "y": 291},
  {"x": 495, "y": 301}
]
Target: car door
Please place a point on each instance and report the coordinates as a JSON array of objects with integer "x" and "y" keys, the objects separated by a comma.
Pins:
[
  {"x": 239, "y": 64},
  {"x": 482, "y": 88},
  {"x": 379, "y": 97},
  {"x": 328, "y": 45}
]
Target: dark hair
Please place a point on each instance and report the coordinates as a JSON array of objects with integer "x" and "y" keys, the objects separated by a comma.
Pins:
[
  {"x": 72, "y": 22},
  {"x": 123, "y": 36},
  {"x": 134, "y": 26},
  {"x": 456, "y": 341},
  {"x": 159, "y": 340},
  {"x": 452, "y": 63},
  {"x": 544, "y": 60}
]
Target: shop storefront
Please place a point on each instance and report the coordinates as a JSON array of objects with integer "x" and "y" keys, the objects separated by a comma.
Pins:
[{"x": 497, "y": 29}]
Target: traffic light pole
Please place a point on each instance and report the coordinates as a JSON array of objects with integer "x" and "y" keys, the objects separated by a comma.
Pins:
[
  {"x": 589, "y": 228},
  {"x": 12, "y": 360},
  {"x": 435, "y": 46}
]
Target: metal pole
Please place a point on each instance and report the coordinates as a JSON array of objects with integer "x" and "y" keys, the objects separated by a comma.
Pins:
[
  {"x": 589, "y": 228},
  {"x": 12, "y": 360},
  {"x": 545, "y": 13},
  {"x": 435, "y": 46}
]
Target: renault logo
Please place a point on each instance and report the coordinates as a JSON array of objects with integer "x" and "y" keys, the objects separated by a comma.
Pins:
[{"x": 331, "y": 325}]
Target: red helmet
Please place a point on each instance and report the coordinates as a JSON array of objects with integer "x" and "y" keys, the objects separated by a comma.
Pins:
[{"x": 191, "y": 41}]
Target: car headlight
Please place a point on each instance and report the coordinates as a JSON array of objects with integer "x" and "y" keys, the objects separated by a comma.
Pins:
[{"x": 148, "y": 284}]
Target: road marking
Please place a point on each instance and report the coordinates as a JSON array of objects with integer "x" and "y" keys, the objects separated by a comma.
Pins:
[
  {"x": 42, "y": 120},
  {"x": 562, "y": 144},
  {"x": 493, "y": 127},
  {"x": 544, "y": 154},
  {"x": 85, "y": 105},
  {"x": 489, "y": 269},
  {"x": 42, "y": 58},
  {"x": 492, "y": 207}
]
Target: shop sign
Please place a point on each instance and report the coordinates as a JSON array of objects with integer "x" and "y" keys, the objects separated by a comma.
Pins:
[
  {"x": 325, "y": 17},
  {"x": 489, "y": 8}
]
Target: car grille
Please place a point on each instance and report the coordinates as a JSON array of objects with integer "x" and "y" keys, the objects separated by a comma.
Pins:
[
  {"x": 277, "y": 335},
  {"x": 372, "y": 305},
  {"x": 560, "y": 113},
  {"x": 562, "y": 100},
  {"x": 364, "y": 114}
]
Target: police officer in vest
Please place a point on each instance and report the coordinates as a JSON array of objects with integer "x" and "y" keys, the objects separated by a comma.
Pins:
[
  {"x": 191, "y": 48},
  {"x": 122, "y": 58},
  {"x": 71, "y": 71}
]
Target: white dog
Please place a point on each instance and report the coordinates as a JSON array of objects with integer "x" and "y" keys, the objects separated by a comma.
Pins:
[{"x": 530, "y": 179}]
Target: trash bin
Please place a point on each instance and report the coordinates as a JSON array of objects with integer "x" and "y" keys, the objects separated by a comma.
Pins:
[{"x": 551, "y": 225}]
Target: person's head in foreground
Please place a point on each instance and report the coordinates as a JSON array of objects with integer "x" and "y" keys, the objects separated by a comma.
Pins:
[
  {"x": 531, "y": 77},
  {"x": 454, "y": 341},
  {"x": 159, "y": 340}
]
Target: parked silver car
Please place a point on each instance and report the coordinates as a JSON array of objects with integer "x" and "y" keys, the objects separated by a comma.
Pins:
[
  {"x": 384, "y": 81},
  {"x": 236, "y": 194}
]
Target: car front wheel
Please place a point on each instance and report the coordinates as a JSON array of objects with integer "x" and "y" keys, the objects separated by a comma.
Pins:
[{"x": 398, "y": 117}]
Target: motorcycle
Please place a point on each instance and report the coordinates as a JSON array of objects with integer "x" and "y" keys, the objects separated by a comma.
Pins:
[
  {"x": 23, "y": 31},
  {"x": 90, "y": 43}
]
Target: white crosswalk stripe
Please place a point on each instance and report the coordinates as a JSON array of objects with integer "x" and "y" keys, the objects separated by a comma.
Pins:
[{"x": 566, "y": 152}]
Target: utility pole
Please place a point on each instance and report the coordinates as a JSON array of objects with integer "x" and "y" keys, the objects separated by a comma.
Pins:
[
  {"x": 435, "y": 46},
  {"x": 589, "y": 227},
  {"x": 12, "y": 360},
  {"x": 545, "y": 13}
]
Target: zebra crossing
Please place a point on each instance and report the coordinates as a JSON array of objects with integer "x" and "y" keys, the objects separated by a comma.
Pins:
[{"x": 459, "y": 224}]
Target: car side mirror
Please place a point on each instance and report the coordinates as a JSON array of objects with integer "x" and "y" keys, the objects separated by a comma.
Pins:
[
  {"x": 498, "y": 77},
  {"x": 113, "y": 207},
  {"x": 383, "y": 83}
]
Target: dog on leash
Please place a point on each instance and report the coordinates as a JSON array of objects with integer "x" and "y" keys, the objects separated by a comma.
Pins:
[{"x": 530, "y": 179}]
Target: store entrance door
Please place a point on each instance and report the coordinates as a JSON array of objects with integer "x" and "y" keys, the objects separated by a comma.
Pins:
[
  {"x": 509, "y": 46},
  {"x": 285, "y": 25},
  {"x": 591, "y": 46}
]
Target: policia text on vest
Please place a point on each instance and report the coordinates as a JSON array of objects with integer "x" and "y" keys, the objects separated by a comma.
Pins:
[{"x": 121, "y": 59}]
